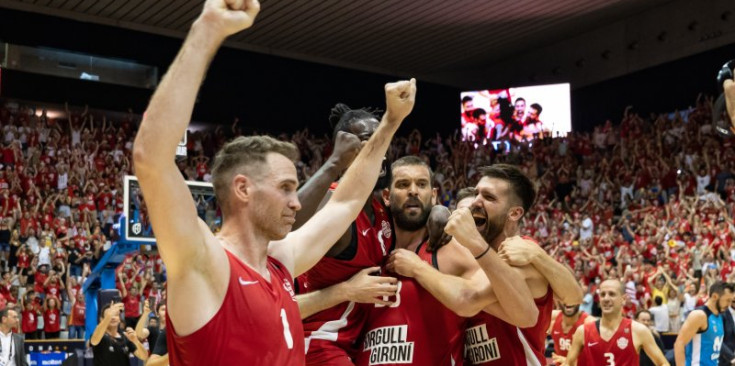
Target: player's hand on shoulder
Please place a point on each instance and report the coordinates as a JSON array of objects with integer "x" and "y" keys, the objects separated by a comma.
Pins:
[
  {"x": 518, "y": 251},
  {"x": 368, "y": 287},
  {"x": 438, "y": 219},
  {"x": 400, "y": 98},
  {"x": 228, "y": 17}
]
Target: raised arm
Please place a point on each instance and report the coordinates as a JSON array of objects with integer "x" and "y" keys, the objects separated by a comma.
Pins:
[
  {"x": 346, "y": 147},
  {"x": 302, "y": 248},
  {"x": 181, "y": 241},
  {"x": 101, "y": 328},
  {"x": 143, "y": 321}
]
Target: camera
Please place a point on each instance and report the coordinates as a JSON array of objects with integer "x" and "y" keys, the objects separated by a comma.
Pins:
[{"x": 723, "y": 126}]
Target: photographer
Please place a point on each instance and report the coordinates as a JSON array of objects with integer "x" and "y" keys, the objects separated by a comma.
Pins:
[{"x": 110, "y": 347}]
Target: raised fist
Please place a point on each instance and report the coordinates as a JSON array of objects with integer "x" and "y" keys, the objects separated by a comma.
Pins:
[
  {"x": 228, "y": 17},
  {"x": 399, "y": 99},
  {"x": 461, "y": 226},
  {"x": 346, "y": 148}
]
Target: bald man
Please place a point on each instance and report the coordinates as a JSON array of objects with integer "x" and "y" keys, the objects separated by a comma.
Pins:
[{"x": 613, "y": 340}]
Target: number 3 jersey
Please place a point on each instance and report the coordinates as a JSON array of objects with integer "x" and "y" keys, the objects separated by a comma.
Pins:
[
  {"x": 258, "y": 323},
  {"x": 416, "y": 330},
  {"x": 618, "y": 350}
]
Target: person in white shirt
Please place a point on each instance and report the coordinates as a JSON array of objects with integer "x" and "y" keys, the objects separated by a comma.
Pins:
[
  {"x": 660, "y": 314},
  {"x": 12, "y": 352}
]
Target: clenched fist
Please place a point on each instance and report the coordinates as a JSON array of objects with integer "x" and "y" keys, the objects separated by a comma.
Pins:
[
  {"x": 346, "y": 148},
  {"x": 461, "y": 226},
  {"x": 228, "y": 17},
  {"x": 399, "y": 99},
  {"x": 518, "y": 251},
  {"x": 404, "y": 262}
]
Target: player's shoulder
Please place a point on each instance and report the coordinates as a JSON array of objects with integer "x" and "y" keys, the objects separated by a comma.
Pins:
[
  {"x": 590, "y": 319},
  {"x": 639, "y": 327}
]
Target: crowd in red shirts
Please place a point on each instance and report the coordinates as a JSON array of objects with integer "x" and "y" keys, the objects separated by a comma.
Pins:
[{"x": 648, "y": 199}]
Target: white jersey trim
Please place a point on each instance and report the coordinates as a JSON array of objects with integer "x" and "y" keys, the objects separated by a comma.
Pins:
[
  {"x": 531, "y": 359},
  {"x": 329, "y": 331}
]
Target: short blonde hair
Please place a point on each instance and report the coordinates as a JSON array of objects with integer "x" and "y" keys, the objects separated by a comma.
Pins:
[{"x": 245, "y": 155}]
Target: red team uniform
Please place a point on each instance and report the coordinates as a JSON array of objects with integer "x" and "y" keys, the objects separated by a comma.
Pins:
[
  {"x": 563, "y": 340},
  {"x": 619, "y": 350},
  {"x": 416, "y": 330},
  {"x": 332, "y": 334},
  {"x": 493, "y": 342},
  {"x": 257, "y": 324}
]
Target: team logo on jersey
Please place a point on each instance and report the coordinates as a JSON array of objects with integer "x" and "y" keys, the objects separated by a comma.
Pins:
[
  {"x": 479, "y": 347},
  {"x": 287, "y": 286},
  {"x": 386, "y": 229},
  {"x": 388, "y": 345},
  {"x": 622, "y": 343}
]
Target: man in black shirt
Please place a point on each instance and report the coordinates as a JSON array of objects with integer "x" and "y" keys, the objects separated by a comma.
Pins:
[
  {"x": 110, "y": 347},
  {"x": 159, "y": 356}
]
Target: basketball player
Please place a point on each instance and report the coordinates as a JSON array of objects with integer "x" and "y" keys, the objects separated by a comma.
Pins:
[
  {"x": 613, "y": 340},
  {"x": 511, "y": 336},
  {"x": 328, "y": 302},
  {"x": 564, "y": 323},
  {"x": 400, "y": 333},
  {"x": 230, "y": 296},
  {"x": 700, "y": 338}
]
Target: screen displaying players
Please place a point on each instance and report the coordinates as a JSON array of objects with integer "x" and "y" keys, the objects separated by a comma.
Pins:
[{"x": 528, "y": 113}]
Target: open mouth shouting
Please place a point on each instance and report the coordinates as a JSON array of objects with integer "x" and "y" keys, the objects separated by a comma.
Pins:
[{"x": 480, "y": 218}]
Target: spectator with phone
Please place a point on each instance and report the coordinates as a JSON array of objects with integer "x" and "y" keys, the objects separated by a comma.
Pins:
[{"x": 110, "y": 347}]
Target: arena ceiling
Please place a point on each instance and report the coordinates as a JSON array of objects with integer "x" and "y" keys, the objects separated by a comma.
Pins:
[{"x": 449, "y": 42}]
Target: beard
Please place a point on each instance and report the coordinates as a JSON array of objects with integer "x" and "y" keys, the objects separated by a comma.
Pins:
[
  {"x": 493, "y": 225},
  {"x": 410, "y": 222},
  {"x": 570, "y": 312}
]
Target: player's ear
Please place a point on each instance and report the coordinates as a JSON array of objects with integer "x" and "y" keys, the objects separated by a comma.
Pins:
[
  {"x": 241, "y": 187},
  {"x": 515, "y": 213},
  {"x": 386, "y": 197},
  {"x": 434, "y": 194}
]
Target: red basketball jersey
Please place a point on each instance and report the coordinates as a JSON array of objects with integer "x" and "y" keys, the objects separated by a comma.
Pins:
[
  {"x": 257, "y": 324},
  {"x": 416, "y": 330},
  {"x": 562, "y": 339},
  {"x": 491, "y": 341},
  {"x": 331, "y": 335},
  {"x": 619, "y": 350}
]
